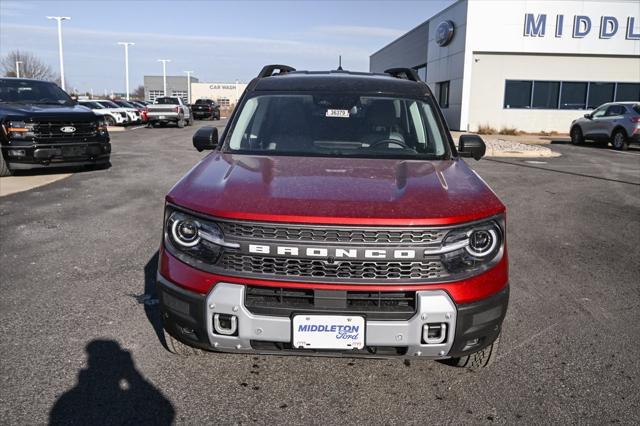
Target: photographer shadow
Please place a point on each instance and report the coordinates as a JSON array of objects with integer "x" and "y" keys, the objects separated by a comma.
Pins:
[{"x": 111, "y": 391}]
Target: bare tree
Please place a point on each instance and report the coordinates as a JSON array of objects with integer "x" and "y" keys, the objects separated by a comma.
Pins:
[
  {"x": 138, "y": 93},
  {"x": 30, "y": 67}
]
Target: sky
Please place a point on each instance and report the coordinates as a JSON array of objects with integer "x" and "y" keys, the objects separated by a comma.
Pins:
[{"x": 221, "y": 41}]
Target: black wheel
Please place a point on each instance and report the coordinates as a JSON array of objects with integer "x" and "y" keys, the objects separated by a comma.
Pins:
[
  {"x": 476, "y": 360},
  {"x": 576, "y": 136},
  {"x": 154, "y": 124},
  {"x": 176, "y": 347},
  {"x": 619, "y": 141},
  {"x": 4, "y": 167},
  {"x": 110, "y": 120}
]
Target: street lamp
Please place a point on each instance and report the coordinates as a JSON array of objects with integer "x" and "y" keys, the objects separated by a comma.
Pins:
[
  {"x": 18, "y": 69},
  {"x": 60, "y": 19},
  {"x": 188, "y": 86},
  {"x": 126, "y": 45},
  {"x": 164, "y": 73}
]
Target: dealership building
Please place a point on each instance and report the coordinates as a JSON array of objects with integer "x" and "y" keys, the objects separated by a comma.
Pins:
[
  {"x": 526, "y": 64},
  {"x": 225, "y": 94}
]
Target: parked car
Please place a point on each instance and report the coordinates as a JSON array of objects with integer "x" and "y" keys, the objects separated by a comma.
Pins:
[
  {"x": 169, "y": 109},
  {"x": 133, "y": 111},
  {"x": 41, "y": 126},
  {"x": 117, "y": 108},
  {"x": 111, "y": 116},
  {"x": 142, "y": 109},
  {"x": 335, "y": 215},
  {"x": 206, "y": 108},
  {"x": 616, "y": 122}
]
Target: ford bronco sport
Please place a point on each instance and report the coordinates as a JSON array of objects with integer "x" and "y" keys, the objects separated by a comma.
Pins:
[{"x": 335, "y": 216}]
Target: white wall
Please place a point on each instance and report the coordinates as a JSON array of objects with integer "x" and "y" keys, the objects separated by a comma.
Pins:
[
  {"x": 490, "y": 71},
  {"x": 231, "y": 91}
]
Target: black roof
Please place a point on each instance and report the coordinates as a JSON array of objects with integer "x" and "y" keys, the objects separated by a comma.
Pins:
[{"x": 341, "y": 81}]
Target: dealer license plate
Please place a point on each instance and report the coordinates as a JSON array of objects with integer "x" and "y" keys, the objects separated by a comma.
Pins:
[{"x": 328, "y": 332}]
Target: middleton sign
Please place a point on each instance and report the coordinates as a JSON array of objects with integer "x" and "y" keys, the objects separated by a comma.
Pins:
[{"x": 536, "y": 26}]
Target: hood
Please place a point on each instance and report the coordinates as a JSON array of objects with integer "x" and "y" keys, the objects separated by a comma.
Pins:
[
  {"x": 43, "y": 111},
  {"x": 335, "y": 190}
]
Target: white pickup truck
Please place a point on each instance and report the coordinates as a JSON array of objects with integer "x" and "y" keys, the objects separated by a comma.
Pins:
[{"x": 169, "y": 109}]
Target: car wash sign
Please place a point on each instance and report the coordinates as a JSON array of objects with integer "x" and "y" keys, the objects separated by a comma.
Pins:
[{"x": 581, "y": 26}]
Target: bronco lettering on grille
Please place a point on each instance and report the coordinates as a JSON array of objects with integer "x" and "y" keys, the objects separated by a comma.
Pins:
[{"x": 334, "y": 252}]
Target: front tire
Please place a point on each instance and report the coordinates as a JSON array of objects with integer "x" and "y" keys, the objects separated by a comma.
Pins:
[
  {"x": 4, "y": 167},
  {"x": 477, "y": 360},
  {"x": 619, "y": 141},
  {"x": 110, "y": 121},
  {"x": 176, "y": 347},
  {"x": 576, "y": 136}
]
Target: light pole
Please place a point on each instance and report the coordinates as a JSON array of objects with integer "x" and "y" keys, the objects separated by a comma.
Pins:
[
  {"x": 18, "y": 69},
  {"x": 60, "y": 19},
  {"x": 164, "y": 73},
  {"x": 126, "y": 45},
  {"x": 188, "y": 86}
]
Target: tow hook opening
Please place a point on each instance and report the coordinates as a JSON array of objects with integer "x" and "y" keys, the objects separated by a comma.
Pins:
[
  {"x": 434, "y": 333},
  {"x": 225, "y": 324}
]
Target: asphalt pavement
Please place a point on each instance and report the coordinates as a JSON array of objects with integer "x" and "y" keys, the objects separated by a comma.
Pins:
[{"x": 79, "y": 318}]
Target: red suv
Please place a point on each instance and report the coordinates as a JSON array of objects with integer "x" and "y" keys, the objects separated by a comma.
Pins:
[{"x": 334, "y": 215}]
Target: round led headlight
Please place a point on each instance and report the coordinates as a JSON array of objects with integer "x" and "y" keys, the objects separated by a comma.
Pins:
[
  {"x": 185, "y": 232},
  {"x": 482, "y": 242}
]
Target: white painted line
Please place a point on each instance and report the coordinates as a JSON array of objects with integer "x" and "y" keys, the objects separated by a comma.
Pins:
[
  {"x": 137, "y": 127},
  {"x": 535, "y": 162}
]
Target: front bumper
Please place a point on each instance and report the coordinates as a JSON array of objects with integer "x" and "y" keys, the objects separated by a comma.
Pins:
[
  {"x": 62, "y": 155},
  {"x": 189, "y": 317}
]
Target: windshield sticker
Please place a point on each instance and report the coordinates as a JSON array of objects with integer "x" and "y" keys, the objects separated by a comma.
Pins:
[{"x": 341, "y": 113}]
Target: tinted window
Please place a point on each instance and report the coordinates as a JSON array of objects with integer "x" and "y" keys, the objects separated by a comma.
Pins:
[
  {"x": 615, "y": 110},
  {"x": 337, "y": 125},
  {"x": 545, "y": 94},
  {"x": 628, "y": 92},
  {"x": 600, "y": 93},
  {"x": 636, "y": 108},
  {"x": 573, "y": 95},
  {"x": 203, "y": 101},
  {"x": 443, "y": 94},
  {"x": 517, "y": 94},
  {"x": 168, "y": 101}
]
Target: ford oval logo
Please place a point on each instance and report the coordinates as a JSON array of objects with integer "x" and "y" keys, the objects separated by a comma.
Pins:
[{"x": 67, "y": 129}]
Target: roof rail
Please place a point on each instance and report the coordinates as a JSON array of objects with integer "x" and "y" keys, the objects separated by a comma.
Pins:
[
  {"x": 267, "y": 70},
  {"x": 406, "y": 73}
]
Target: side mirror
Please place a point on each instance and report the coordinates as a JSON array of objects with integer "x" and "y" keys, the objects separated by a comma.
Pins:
[
  {"x": 206, "y": 138},
  {"x": 588, "y": 115},
  {"x": 471, "y": 146}
]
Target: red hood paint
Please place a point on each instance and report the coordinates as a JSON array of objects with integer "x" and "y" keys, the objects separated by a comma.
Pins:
[{"x": 335, "y": 190}]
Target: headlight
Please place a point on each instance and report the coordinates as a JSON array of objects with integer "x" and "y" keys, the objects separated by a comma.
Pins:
[
  {"x": 195, "y": 237},
  {"x": 20, "y": 130},
  {"x": 472, "y": 248}
]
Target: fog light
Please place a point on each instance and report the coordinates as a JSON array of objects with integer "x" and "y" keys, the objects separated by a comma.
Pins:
[
  {"x": 225, "y": 324},
  {"x": 17, "y": 153},
  {"x": 434, "y": 333}
]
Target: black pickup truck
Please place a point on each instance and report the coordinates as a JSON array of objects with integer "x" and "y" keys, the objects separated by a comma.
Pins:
[
  {"x": 41, "y": 126},
  {"x": 206, "y": 108}
]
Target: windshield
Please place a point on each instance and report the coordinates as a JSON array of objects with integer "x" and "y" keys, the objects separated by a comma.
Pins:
[
  {"x": 109, "y": 104},
  {"x": 32, "y": 92},
  {"x": 92, "y": 105},
  {"x": 124, "y": 104},
  {"x": 167, "y": 101},
  {"x": 337, "y": 125},
  {"x": 203, "y": 101}
]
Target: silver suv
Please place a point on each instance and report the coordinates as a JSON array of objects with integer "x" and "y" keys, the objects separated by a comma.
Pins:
[{"x": 616, "y": 122}]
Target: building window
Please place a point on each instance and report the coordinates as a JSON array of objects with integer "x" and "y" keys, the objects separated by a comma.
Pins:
[
  {"x": 573, "y": 95},
  {"x": 517, "y": 94},
  {"x": 443, "y": 94},
  {"x": 600, "y": 93},
  {"x": 154, "y": 94},
  {"x": 545, "y": 94},
  {"x": 180, "y": 94},
  {"x": 223, "y": 102},
  {"x": 628, "y": 92}
]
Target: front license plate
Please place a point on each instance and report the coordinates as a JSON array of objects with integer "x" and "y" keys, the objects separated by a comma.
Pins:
[
  {"x": 162, "y": 117},
  {"x": 74, "y": 151},
  {"x": 328, "y": 332}
]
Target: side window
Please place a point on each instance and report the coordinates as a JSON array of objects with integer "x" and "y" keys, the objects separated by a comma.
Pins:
[
  {"x": 240, "y": 129},
  {"x": 614, "y": 110},
  {"x": 599, "y": 112}
]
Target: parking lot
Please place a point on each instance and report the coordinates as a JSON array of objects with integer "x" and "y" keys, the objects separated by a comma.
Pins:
[{"x": 80, "y": 324}]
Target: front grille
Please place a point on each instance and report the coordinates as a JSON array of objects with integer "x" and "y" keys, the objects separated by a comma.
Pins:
[
  {"x": 280, "y": 301},
  {"x": 50, "y": 130},
  {"x": 246, "y": 230},
  {"x": 347, "y": 269}
]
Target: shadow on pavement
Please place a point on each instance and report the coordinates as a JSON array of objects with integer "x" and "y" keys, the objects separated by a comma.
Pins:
[
  {"x": 591, "y": 145},
  {"x": 54, "y": 170},
  {"x": 111, "y": 391},
  {"x": 150, "y": 297}
]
